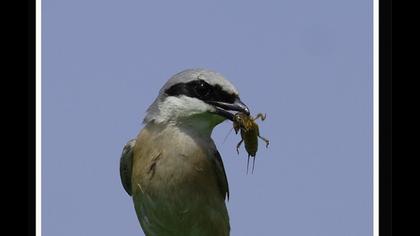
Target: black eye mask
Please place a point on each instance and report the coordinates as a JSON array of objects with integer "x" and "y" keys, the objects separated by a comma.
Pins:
[{"x": 201, "y": 90}]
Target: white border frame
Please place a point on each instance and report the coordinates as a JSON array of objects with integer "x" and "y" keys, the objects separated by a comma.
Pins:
[
  {"x": 376, "y": 117},
  {"x": 38, "y": 129}
]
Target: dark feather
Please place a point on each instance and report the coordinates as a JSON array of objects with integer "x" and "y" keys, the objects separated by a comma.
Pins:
[
  {"x": 221, "y": 175},
  {"x": 126, "y": 165}
]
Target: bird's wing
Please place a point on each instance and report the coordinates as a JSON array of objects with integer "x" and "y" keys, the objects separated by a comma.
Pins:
[
  {"x": 126, "y": 165},
  {"x": 221, "y": 175}
]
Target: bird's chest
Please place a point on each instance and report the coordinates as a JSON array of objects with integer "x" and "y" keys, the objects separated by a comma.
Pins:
[
  {"x": 183, "y": 172},
  {"x": 176, "y": 167},
  {"x": 174, "y": 185}
]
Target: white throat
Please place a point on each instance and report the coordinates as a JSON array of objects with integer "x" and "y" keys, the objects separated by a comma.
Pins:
[{"x": 197, "y": 125}]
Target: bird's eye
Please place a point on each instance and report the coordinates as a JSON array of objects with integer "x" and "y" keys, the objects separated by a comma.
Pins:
[{"x": 203, "y": 90}]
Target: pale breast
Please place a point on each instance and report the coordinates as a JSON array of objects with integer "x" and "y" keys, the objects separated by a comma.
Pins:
[{"x": 175, "y": 185}]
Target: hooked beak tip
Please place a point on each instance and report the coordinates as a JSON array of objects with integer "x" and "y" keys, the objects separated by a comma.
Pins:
[
  {"x": 223, "y": 108},
  {"x": 242, "y": 107}
]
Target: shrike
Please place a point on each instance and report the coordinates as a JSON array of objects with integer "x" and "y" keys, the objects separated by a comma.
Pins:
[{"x": 173, "y": 170}]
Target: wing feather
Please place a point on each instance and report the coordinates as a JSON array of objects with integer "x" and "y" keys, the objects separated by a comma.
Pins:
[
  {"x": 221, "y": 175},
  {"x": 126, "y": 165}
]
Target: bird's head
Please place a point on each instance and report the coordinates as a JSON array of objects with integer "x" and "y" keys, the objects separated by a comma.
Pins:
[{"x": 196, "y": 97}]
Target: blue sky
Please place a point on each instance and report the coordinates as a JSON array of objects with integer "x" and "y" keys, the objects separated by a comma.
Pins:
[{"x": 307, "y": 64}]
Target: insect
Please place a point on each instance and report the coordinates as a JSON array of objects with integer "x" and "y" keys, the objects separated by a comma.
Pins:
[{"x": 249, "y": 134}]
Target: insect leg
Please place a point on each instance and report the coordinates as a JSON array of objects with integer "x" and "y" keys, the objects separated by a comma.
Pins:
[
  {"x": 247, "y": 165},
  {"x": 260, "y": 115},
  {"x": 238, "y": 145},
  {"x": 265, "y": 140},
  {"x": 253, "y": 165},
  {"x": 227, "y": 135}
]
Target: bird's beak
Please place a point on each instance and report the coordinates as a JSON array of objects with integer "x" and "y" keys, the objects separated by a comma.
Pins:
[{"x": 223, "y": 108}]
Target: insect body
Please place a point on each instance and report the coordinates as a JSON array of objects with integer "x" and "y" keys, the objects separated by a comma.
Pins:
[{"x": 249, "y": 134}]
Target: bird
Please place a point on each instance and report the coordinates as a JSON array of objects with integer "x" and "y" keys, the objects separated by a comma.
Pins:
[{"x": 172, "y": 169}]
